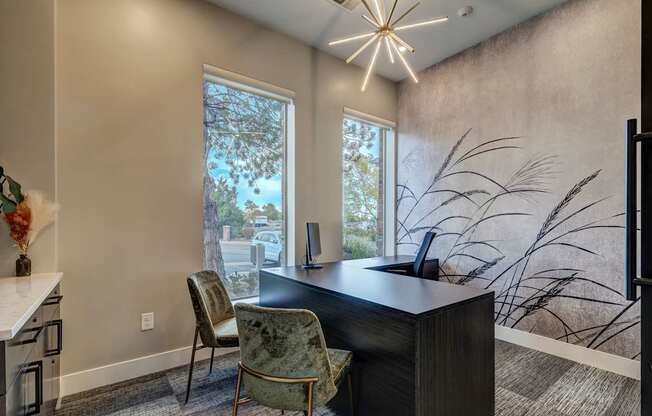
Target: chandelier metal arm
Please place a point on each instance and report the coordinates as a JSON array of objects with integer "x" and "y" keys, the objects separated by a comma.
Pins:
[
  {"x": 371, "y": 12},
  {"x": 391, "y": 13},
  {"x": 352, "y": 38},
  {"x": 401, "y": 42},
  {"x": 406, "y": 13},
  {"x": 389, "y": 50},
  {"x": 372, "y": 63},
  {"x": 404, "y": 61},
  {"x": 380, "y": 9},
  {"x": 371, "y": 22},
  {"x": 424, "y": 23},
  {"x": 362, "y": 48}
]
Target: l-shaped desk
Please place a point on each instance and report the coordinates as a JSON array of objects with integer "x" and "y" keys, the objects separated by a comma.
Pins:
[{"x": 421, "y": 347}]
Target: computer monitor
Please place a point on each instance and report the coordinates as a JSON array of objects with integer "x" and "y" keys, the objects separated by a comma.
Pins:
[{"x": 313, "y": 245}]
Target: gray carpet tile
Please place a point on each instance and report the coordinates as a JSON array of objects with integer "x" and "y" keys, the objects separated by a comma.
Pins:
[
  {"x": 528, "y": 383},
  {"x": 509, "y": 403},
  {"x": 628, "y": 400},
  {"x": 118, "y": 397},
  {"x": 527, "y": 372},
  {"x": 582, "y": 390}
]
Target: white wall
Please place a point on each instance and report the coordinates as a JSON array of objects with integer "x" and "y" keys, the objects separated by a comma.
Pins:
[
  {"x": 129, "y": 127},
  {"x": 27, "y": 114}
]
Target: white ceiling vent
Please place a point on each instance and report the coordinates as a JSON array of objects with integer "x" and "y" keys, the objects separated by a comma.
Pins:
[{"x": 347, "y": 4}]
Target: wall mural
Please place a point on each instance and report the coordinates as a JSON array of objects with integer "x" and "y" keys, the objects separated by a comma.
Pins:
[{"x": 543, "y": 281}]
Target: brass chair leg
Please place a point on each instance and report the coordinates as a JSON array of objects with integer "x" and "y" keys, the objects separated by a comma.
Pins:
[
  {"x": 192, "y": 363},
  {"x": 212, "y": 357},
  {"x": 309, "y": 411},
  {"x": 348, "y": 377},
  {"x": 236, "y": 400}
]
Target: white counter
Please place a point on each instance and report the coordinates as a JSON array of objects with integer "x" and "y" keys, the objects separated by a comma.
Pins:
[{"x": 20, "y": 297}]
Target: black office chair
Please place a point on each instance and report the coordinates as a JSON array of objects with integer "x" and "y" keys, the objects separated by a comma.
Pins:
[
  {"x": 420, "y": 260},
  {"x": 420, "y": 268}
]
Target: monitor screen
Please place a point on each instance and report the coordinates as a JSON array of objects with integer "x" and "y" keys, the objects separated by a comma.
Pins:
[{"x": 313, "y": 240}]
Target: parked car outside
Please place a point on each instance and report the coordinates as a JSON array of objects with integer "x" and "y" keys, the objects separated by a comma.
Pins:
[{"x": 273, "y": 242}]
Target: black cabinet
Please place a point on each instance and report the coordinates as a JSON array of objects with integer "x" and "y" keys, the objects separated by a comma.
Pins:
[{"x": 29, "y": 382}]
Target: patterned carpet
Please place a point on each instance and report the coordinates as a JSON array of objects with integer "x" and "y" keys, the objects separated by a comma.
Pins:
[{"x": 528, "y": 383}]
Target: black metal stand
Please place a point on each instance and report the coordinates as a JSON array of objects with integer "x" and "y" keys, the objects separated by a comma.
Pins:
[
  {"x": 192, "y": 361},
  {"x": 631, "y": 261},
  {"x": 309, "y": 265}
]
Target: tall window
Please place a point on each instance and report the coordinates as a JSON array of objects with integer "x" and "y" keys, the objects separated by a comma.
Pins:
[
  {"x": 244, "y": 157},
  {"x": 364, "y": 177}
]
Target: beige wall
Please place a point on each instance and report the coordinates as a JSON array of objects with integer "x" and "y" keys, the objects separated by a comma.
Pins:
[
  {"x": 564, "y": 82},
  {"x": 27, "y": 113},
  {"x": 129, "y": 116}
]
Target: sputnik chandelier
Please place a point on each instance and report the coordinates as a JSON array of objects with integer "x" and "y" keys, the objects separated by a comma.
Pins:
[{"x": 385, "y": 32}]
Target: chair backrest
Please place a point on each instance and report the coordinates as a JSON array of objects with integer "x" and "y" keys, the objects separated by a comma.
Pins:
[
  {"x": 283, "y": 343},
  {"x": 420, "y": 259},
  {"x": 211, "y": 303}
]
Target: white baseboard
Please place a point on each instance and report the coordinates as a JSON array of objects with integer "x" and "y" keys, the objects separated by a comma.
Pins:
[
  {"x": 137, "y": 367},
  {"x": 602, "y": 360}
]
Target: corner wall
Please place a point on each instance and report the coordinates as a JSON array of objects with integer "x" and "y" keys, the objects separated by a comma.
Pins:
[
  {"x": 563, "y": 83},
  {"x": 27, "y": 114},
  {"x": 130, "y": 141}
]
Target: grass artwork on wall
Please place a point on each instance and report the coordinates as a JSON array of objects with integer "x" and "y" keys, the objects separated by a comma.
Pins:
[{"x": 542, "y": 282}]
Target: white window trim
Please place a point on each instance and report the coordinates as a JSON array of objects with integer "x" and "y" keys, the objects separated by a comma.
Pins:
[
  {"x": 265, "y": 89},
  {"x": 389, "y": 171},
  {"x": 243, "y": 82}
]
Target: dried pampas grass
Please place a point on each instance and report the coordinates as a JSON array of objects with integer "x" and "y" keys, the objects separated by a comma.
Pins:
[{"x": 43, "y": 213}]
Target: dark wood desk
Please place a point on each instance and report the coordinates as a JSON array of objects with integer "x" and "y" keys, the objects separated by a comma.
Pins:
[{"x": 421, "y": 347}]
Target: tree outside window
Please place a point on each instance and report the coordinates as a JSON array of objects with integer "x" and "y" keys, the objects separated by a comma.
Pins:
[
  {"x": 244, "y": 139},
  {"x": 363, "y": 196}
]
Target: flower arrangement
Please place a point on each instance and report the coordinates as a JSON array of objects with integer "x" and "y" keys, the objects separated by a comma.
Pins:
[{"x": 26, "y": 214}]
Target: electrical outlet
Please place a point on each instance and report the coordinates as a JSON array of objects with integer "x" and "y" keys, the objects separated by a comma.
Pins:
[{"x": 147, "y": 321}]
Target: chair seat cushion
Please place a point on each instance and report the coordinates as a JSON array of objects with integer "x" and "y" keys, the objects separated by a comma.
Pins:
[
  {"x": 340, "y": 362},
  {"x": 226, "y": 333}
]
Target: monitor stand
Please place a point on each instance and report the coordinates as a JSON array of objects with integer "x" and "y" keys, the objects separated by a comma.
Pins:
[{"x": 309, "y": 265}]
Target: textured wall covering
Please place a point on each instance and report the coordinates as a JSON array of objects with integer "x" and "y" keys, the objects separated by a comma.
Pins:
[{"x": 513, "y": 152}]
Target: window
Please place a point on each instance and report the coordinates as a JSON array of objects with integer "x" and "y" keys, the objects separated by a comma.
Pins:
[
  {"x": 245, "y": 131},
  {"x": 367, "y": 188}
]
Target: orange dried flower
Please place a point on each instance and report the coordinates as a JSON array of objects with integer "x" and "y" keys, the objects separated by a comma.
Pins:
[{"x": 19, "y": 224}]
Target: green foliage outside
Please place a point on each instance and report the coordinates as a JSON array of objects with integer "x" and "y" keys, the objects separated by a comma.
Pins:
[
  {"x": 243, "y": 146},
  {"x": 361, "y": 189},
  {"x": 359, "y": 247},
  {"x": 227, "y": 208},
  {"x": 243, "y": 131}
]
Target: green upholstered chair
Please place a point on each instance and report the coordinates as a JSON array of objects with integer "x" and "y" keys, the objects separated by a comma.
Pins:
[
  {"x": 214, "y": 316},
  {"x": 285, "y": 363}
]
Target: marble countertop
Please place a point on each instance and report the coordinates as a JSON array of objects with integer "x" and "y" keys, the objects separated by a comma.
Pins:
[{"x": 20, "y": 297}]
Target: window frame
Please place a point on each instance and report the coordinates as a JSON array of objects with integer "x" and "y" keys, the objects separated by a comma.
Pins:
[
  {"x": 388, "y": 129},
  {"x": 252, "y": 86}
]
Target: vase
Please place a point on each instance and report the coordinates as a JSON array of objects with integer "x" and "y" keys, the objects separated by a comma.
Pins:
[{"x": 23, "y": 266}]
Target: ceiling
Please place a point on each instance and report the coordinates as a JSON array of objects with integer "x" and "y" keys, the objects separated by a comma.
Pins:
[{"x": 317, "y": 22}]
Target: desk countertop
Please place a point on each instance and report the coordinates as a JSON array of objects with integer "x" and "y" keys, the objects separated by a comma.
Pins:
[
  {"x": 405, "y": 294},
  {"x": 20, "y": 297}
]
